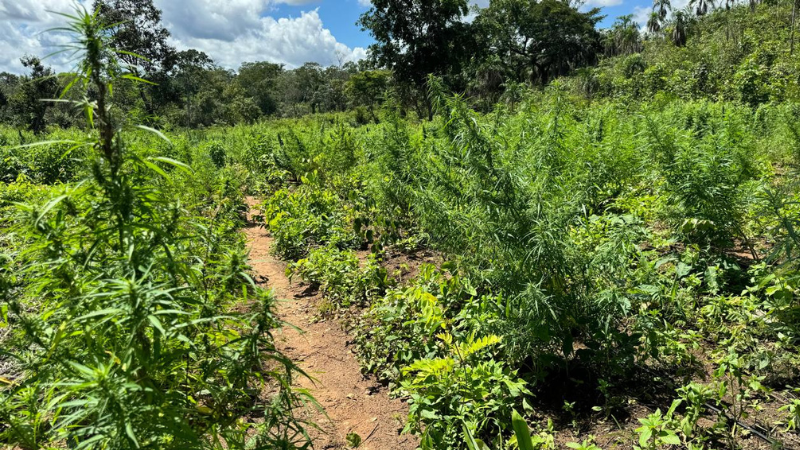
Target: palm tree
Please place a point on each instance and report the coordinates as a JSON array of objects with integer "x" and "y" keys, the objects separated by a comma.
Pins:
[
  {"x": 662, "y": 7},
  {"x": 679, "y": 29},
  {"x": 654, "y": 23},
  {"x": 624, "y": 37},
  {"x": 702, "y": 6}
]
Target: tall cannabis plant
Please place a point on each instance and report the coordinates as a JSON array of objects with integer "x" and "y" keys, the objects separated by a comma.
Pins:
[{"x": 121, "y": 310}]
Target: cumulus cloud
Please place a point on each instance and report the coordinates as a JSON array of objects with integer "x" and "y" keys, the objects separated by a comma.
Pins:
[
  {"x": 603, "y": 3},
  {"x": 641, "y": 15},
  {"x": 22, "y": 32},
  {"x": 229, "y": 31},
  {"x": 291, "y": 41}
]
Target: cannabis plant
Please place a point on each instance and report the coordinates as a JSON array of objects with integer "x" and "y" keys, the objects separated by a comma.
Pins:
[{"x": 124, "y": 335}]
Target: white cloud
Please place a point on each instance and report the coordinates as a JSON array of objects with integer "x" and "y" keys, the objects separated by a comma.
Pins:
[
  {"x": 602, "y": 3},
  {"x": 641, "y": 14},
  {"x": 229, "y": 31},
  {"x": 291, "y": 41},
  {"x": 23, "y": 31}
]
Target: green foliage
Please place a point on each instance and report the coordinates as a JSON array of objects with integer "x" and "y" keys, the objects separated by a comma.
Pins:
[
  {"x": 460, "y": 386},
  {"x": 739, "y": 53},
  {"x": 367, "y": 88},
  {"x": 706, "y": 174},
  {"x": 792, "y": 411},
  {"x": 401, "y": 327},
  {"x": 418, "y": 38},
  {"x": 656, "y": 431},
  {"x": 54, "y": 162},
  {"x": 307, "y": 217},
  {"x": 594, "y": 251},
  {"x": 340, "y": 276},
  {"x": 585, "y": 445},
  {"x": 33, "y": 97},
  {"x": 537, "y": 41},
  {"x": 120, "y": 308}
]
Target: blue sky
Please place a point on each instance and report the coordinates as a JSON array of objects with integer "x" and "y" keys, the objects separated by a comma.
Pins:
[
  {"x": 339, "y": 16},
  {"x": 231, "y": 32}
]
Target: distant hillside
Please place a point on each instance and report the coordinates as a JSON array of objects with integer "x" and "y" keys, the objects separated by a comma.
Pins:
[{"x": 740, "y": 54}]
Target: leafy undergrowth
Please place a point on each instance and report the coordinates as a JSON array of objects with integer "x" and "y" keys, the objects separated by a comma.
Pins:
[
  {"x": 119, "y": 286},
  {"x": 605, "y": 275},
  {"x": 617, "y": 277}
]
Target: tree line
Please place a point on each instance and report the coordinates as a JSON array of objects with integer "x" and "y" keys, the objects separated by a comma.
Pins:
[{"x": 484, "y": 53}]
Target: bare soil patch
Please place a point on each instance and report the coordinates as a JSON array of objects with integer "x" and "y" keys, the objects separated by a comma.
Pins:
[{"x": 352, "y": 402}]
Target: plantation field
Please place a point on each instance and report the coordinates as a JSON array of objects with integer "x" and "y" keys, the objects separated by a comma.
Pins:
[
  {"x": 609, "y": 274},
  {"x": 605, "y": 260}
]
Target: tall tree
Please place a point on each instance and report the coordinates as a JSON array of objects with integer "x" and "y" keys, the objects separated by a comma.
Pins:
[
  {"x": 679, "y": 29},
  {"x": 701, "y": 7},
  {"x": 368, "y": 88},
  {"x": 190, "y": 72},
  {"x": 309, "y": 81},
  {"x": 28, "y": 104},
  {"x": 659, "y": 14},
  {"x": 540, "y": 39},
  {"x": 623, "y": 38},
  {"x": 662, "y": 7},
  {"x": 260, "y": 81},
  {"x": 654, "y": 22},
  {"x": 137, "y": 29},
  {"x": 416, "y": 38},
  {"x": 8, "y": 84}
]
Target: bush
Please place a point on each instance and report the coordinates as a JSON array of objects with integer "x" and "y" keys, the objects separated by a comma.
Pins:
[
  {"x": 339, "y": 275},
  {"x": 307, "y": 217}
]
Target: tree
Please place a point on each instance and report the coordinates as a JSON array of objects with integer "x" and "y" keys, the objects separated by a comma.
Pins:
[
  {"x": 260, "y": 82},
  {"x": 136, "y": 31},
  {"x": 679, "y": 29},
  {"x": 654, "y": 22},
  {"x": 367, "y": 88},
  {"x": 662, "y": 7},
  {"x": 623, "y": 38},
  {"x": 28, "y": 104},
  {"x": 305, "y": 85},
  {"x": 660, "y": 10},
  {"x": 8, "y": 85},
  {"x": 701, "y": 6},
  {"x": 416, "y": 38},
  {"x": 540, "y": 39},
  {"x": 189, "y": 75},
  {"x": 136, "y": 28},
  {"x": 331, "y": 94}
]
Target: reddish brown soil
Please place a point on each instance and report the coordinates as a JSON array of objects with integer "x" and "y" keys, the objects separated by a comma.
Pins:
[{"x": 352, "y": 402}]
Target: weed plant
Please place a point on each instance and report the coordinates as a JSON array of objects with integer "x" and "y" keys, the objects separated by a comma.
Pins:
[{"x": 119, "y": 299}]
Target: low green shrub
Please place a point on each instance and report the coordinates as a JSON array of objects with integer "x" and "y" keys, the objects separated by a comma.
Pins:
[
  {"x": 340, "y": 276},
  {"x": 306, "y": 217}
]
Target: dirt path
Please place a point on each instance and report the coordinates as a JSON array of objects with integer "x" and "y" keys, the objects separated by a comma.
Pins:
[{"x": 354, "y": 404}]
